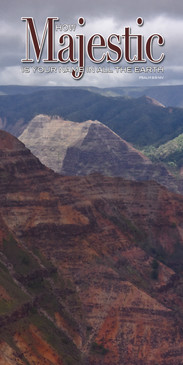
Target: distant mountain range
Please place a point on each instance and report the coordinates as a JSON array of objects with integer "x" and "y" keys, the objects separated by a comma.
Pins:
[
  {"x": 171, "y": 95},
  {"x": 142, "y": 121}
]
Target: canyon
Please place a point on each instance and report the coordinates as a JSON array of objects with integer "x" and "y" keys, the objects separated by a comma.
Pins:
[{"x": 91, "y": 267}]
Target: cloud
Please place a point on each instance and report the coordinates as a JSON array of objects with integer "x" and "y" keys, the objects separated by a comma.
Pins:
[
  {"x": 67, "y": 9},
  {"x": 105, "y": 17}
]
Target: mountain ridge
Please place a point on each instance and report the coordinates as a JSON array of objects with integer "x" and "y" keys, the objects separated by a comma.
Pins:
[
  {"x": 169, "y": 95},
  {"x": 71, "y": 148},
  {"x": 135, "y": 120}
]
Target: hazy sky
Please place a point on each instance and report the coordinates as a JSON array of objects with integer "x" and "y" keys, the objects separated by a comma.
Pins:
[{"x": 106, "y": 17}]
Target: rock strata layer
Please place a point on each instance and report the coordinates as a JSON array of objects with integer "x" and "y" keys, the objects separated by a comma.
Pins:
[{"x": 91, "y": 267}]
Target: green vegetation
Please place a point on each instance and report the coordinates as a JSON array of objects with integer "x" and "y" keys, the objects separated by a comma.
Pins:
[
  {"x": 58, "y": 340},
  {"x": 17, "y": 296},
  {"x": 22, "y": 261},
  {"x": 98, "y": 349},
  {"x": 155, "y": 269},
  {"x": 52, "y": 335},
  {"x": 46, "y": 300},
  {"x": 36, "y": 285},
  {"x": 170, "y": 153},
  {"x": 173, "y": 260},
  {"x": 126, "y": 225},
  {"x": 121, "y": 221},
  {"x": 42, "y": 258}
]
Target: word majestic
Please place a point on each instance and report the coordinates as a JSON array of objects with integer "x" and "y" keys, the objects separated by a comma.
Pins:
[{"x": 97, "y": 48}]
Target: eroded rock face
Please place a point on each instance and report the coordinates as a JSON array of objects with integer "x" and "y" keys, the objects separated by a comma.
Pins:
[
  {"x": 49, "y": 137},
  {"x": 117, "y": 247},
  {"x": 71, "y": 148}
]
